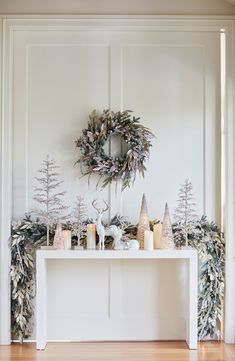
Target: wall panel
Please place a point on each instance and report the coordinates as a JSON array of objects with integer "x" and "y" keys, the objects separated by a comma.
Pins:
[{"x": 171, "y": 80}]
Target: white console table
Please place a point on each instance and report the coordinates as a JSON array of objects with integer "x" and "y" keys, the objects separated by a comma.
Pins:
[{"x": 189, "y": 255}]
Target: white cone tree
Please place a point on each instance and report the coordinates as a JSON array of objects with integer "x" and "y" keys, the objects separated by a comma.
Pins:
[
  {"x": 167, "y": 239},
  {"x": 58, "y": 238},
  {"x": 143, "y": 224},
  {"x": 47, "y": 194}
]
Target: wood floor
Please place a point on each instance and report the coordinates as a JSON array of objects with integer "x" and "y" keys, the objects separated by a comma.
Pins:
[{"x": 119, "y": 351}]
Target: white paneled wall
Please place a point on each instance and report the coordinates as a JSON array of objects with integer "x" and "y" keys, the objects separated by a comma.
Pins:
[{"x": 172, "y": 80}]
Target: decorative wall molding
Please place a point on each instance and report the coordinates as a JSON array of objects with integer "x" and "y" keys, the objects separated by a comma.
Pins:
[{"x": 12, "y": 24}]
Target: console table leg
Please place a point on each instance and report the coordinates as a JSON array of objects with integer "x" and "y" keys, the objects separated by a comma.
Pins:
[
  {"x": 41, "y": 309},
  {"x": 192, "y": 302}
]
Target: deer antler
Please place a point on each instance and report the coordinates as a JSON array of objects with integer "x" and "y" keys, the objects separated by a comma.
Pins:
[
  {"x": 99, "y": 210},
  {"x": 107, "y": 206},
  {"x": 94, "y": 204},
  {"x": 123, "y": 224}
]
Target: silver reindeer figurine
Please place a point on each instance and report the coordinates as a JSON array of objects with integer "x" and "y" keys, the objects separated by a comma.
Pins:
[{"x": 112, "y": 231}]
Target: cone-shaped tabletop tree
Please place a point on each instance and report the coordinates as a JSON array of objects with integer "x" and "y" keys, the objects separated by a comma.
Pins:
[
  {"x": 167, "y": 239},
  {"x": 143, "y": 222},
  {"x": 58, "y": 238}
]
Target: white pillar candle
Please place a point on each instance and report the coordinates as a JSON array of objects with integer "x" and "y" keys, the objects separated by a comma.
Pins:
[
  {"x": 91, "y": 236},
  {"x": 148, "y": 240},
  {"x": 157, "y": 232},
  {"x": 66, "y": 235}
]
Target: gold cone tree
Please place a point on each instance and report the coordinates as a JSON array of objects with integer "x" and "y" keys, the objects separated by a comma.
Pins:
[{"x": 143, "y": 223}]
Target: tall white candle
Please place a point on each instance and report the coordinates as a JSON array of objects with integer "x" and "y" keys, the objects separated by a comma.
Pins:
[
  {"x": 148, "y": 240},
  {"x": 157, "y": 232},
  {"x": 66, "y": 235},
  {"x": 91, "y": 236}
]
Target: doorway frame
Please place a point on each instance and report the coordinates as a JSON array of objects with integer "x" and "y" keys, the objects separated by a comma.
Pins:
[{"x": 9, "y": 24}]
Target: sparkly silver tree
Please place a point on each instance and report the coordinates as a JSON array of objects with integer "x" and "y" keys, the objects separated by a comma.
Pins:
[
  {"x": 167, "y": 239},
  {"x": 79, "y": 215},
  {"x": 185, "y": 213},
  {"x": 58, "y": 238},
  {"x": 48, "y": 196},
  {"x": 143, "y": 224}
]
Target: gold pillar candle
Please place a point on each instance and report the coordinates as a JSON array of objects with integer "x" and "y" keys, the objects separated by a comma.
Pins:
[
  {"x": 157, "y": 233},
  {"x": 91, "y": 236},
  {"x": 66, "y": 235}
]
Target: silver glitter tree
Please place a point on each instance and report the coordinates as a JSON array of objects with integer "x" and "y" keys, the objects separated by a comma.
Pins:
[
  {"x": 167, "y": 239},
  {"x": 79, "y": 215},
  {"x": 143, "y": 223},
  {"x": 185, "y": 213},
  {"x": 48, "y": 196},
  {"x": 58, "y": 238}
]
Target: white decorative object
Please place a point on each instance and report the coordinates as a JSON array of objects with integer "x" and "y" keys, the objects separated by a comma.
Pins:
[
  {"x": 129, "y": 245},
  {"x": 66, "y": 234},
  {"x": 44, "y": 258},
  {"x": 133, "y": 244},
  {"x": 78, "y": 216},
  {"x": 112, "y": 231},
  {"x": 157, "y": 233},
  {"x": 167, "y": 239},
  {"x": 185, "y": 213},
  {"x": 58, "y": 238},
  {"x": 148, "y": 240},
  {"x": 143, "y": 222},
  {"x": 48, "y": 195},
  {"x": 91, "y": 236}
]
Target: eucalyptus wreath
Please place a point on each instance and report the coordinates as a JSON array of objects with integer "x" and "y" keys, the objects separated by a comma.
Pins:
[{"x": 101, "y": 127}]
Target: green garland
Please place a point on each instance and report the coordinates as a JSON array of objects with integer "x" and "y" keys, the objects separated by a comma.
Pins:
[
  {"x": 210, "y": 245},
  {"x": 28, "y": 235},
  {"x": 101, "y": 127},
  {"x": 207, "y": 240}
]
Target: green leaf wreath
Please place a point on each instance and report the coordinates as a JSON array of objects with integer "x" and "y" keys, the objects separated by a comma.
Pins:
[{"x": 100, "y": 129}]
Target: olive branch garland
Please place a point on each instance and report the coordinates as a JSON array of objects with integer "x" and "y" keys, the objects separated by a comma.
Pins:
[
  {"x": 101, "y": 127},
  {"x": 27, "y": 235},
  {"x": 206, "y": 238}
]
